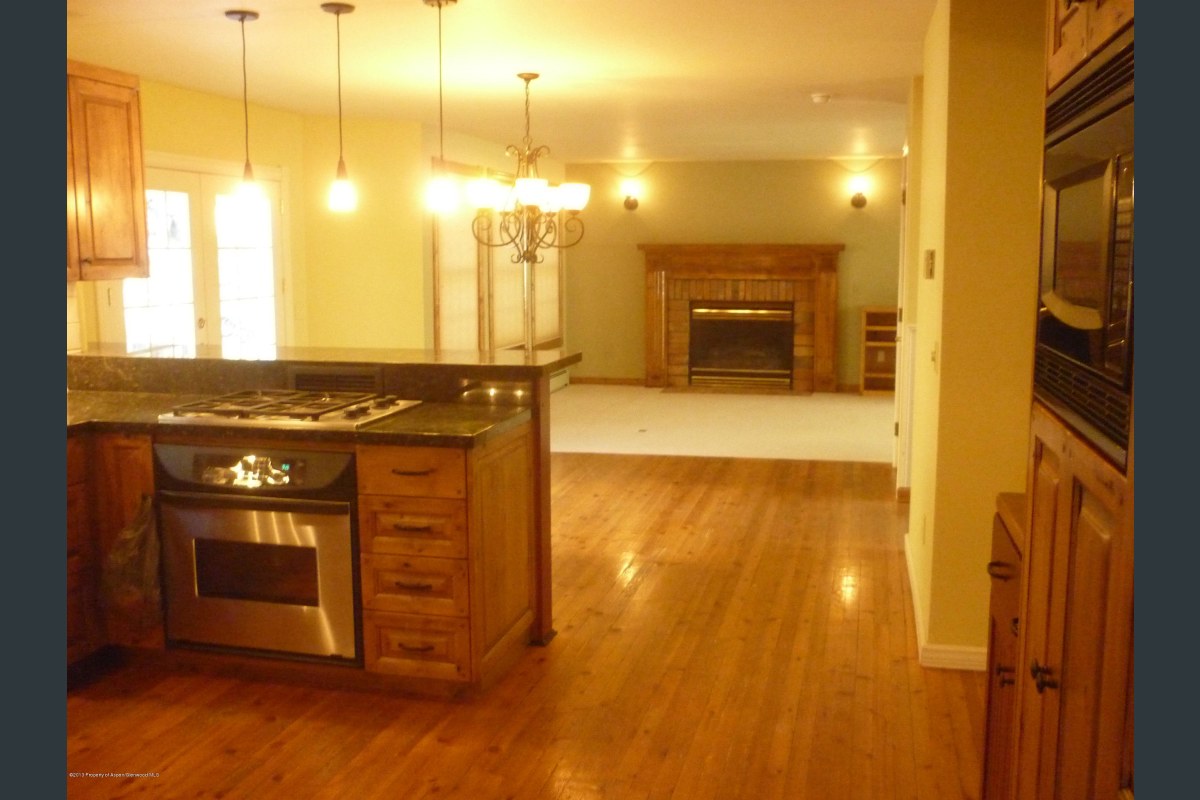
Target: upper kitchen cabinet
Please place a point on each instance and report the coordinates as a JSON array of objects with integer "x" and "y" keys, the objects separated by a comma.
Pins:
[
  {"x": 1078, "y": 28},
  {"x": 106, "y": 195}
]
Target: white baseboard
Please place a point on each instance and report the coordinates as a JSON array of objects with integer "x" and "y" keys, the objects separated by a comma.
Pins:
[
  {"x": 942, "y": 656},
  {"x": 939, "y": 656}
]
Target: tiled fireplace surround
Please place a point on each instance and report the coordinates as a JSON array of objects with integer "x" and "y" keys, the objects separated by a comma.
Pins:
[{"x": 805, "y": 274}]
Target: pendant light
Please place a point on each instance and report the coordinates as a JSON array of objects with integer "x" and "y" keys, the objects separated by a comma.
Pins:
[
  {"x": 342, "y": 196},
  {"x": 441, "y": 195},
  {"x": 242, "y": 17}
]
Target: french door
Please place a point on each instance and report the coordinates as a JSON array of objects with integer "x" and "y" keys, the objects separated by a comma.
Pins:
[{"x": 214, "y": 277}]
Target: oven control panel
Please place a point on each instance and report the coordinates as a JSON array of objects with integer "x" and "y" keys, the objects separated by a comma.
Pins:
[
  {"x": 232, "y": 468},
  {"x": 250, "y": 470}
]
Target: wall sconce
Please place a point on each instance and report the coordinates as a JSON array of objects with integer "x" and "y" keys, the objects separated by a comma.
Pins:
[
  {"x": 631, "y": 189},
  {"x": 859, "y": 185}
]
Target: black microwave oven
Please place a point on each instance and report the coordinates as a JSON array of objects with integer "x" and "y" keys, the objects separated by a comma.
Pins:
[{"x": 1083, "y": 361}]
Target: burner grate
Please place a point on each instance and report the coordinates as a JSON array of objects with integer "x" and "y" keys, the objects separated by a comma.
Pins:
[
  {"x": 289, "y": 408},
  {"x": 281, "y": 403}
]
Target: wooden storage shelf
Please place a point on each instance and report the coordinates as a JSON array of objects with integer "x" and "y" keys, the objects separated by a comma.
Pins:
[{"x": 877, "y": 366}]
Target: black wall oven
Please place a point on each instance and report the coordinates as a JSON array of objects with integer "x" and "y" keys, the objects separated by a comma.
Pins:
[
  {"x": 259, "y": 550},
  {"x": 1083, "y": 362}
]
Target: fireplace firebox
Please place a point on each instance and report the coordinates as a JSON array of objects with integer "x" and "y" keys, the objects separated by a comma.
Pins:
[
  {"x": 799, "y": 277},
  {"x": 739, "y": 343}
]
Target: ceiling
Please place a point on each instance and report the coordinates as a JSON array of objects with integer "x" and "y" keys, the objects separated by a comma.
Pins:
[{"x": 651, "y": 80}]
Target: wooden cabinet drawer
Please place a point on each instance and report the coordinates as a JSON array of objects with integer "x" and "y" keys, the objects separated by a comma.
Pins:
[
  {"x": 412, "y": 471},
  {"x": 416, "y": 526},
  {"x": 415, "y": 585},
  {"x": 418, "y": 647}
]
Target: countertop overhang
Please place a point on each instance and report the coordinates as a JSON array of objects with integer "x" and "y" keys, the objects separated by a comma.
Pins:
[{"x": 433, "y": 424}]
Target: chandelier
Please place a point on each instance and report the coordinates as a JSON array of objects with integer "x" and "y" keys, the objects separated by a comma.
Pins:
[{"x": 526, "y": 216}]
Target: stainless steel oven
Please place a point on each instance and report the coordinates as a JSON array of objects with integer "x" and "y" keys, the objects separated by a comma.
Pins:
[{"x": 259, "y": 551}]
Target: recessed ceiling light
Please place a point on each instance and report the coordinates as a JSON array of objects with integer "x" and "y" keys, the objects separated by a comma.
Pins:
[{"x": 820, "y": 97}]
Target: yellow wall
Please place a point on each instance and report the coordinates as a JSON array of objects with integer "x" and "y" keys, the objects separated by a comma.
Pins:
[
  {"x": 358, "y": 280},
  {"x": 980, "y": 175},
  {"x": 367, "y": 282},
  {"x": 755, "y": 201}
]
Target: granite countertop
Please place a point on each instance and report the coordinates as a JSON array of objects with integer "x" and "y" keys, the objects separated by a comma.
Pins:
[{"x": 460, "y": 424}]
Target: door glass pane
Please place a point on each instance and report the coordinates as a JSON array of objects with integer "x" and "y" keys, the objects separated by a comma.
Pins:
[
  {"x": 159, "y": 309},
  {"x": 246, "y": 276}
]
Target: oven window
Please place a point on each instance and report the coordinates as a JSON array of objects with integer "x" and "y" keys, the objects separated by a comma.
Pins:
[{"x": 268, "y": 573}]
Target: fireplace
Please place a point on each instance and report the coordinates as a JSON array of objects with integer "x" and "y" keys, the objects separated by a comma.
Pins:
[
  {"x": 797, "y": 279},
  {"x": 733, "y": 343}
]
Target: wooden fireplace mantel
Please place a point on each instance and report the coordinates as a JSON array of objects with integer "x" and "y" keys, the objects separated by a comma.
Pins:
[{"x": 805, "y": 274}]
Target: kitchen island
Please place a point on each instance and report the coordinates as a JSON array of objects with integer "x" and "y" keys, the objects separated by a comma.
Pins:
[{"x": 469, "y": 402}]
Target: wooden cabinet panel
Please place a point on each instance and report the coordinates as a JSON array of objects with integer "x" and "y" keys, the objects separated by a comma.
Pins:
[
  {"x": 504, "y": 553},
  {"x": 1077, "y": 620},
  {"x": 1004, "y": 569},
  {"x": 106, "y": 204},
  {"x": 84, "y": 632},
  {"x": 122, "y": 476},
  {"x": 1075, "y": 30}
]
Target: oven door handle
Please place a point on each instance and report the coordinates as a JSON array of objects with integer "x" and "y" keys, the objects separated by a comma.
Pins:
[{"x": 214, "y": 500}]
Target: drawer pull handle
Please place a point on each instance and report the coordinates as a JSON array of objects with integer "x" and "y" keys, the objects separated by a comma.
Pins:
[
  {"x": 412, "y": 473},
  {"x": 425, "y": 648},
  {"x": 414, "y": 587},
  {"x": 400, "y": 526},
  {"x": 1001, "y": 570}
]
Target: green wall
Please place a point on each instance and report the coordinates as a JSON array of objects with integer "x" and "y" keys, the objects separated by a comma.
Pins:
[{"x": 793, "y": 202}]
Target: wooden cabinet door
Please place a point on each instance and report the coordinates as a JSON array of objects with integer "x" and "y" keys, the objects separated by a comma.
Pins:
[
  {"x": 83, "y": 626},
  {"x": 1004, "y": 569},
  {"x": 1106, "y": 18},
  {"x": 105, "y": 175},
  {"x": 1078, "y": 618},
  {"x": 1077, "y": 28},
  {"x": 1067, "y": 45},
  {"x": 123, "y": 474}
]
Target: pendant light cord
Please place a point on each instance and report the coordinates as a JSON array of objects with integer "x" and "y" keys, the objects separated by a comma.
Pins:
[
  {"x": 441, "y": 108},
  {"x": 339, "y": 74},
  {"x": 245, "y": 97}
]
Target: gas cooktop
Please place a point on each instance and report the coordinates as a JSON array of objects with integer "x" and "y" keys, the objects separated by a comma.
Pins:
[{"x": 287, "y": 408}]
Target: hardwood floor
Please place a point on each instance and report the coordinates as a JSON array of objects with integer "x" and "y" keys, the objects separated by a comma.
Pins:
[{"x": 727, "y": 628}]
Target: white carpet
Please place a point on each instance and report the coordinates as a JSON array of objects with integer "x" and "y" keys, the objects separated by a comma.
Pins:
[{"x": 599, "y": 418}]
